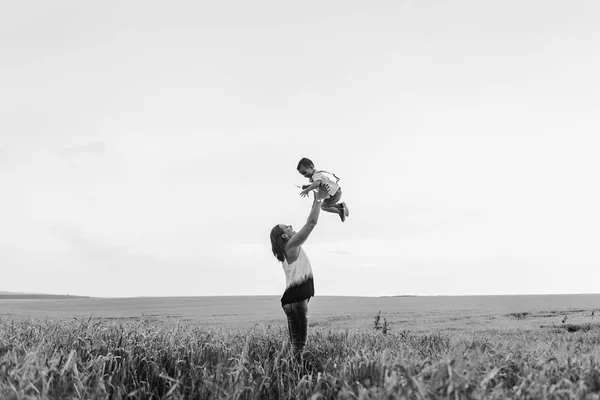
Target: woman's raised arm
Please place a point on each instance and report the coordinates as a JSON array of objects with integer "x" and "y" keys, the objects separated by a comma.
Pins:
[{"x": 300, "y": 237}]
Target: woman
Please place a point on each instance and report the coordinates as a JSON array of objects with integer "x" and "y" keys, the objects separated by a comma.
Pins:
[{"x": 286, "y": 245}]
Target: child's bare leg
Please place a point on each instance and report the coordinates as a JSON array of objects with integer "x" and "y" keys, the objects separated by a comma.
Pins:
[
  {"x": 335, "y": 209},
  {"x": 331, "y": 209}
]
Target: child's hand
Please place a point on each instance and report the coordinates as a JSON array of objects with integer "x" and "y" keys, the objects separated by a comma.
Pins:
[{"x": 304, "y": 193}]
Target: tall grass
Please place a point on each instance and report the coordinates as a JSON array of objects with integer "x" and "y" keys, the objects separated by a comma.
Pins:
[{"x": 139, "y": 360}]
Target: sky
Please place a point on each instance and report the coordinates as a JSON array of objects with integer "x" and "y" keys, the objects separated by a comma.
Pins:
[{"x": 147, "y": 148}]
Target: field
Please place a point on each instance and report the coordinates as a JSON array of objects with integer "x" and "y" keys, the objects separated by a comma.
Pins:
[{"x": 492, "y": 347}]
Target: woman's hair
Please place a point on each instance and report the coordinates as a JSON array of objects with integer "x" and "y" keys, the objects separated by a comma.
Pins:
[
  {"x": 306, "y": 163},
  {"x": 277, "y": 243}
]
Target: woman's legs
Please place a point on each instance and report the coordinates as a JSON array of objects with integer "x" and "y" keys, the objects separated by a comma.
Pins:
[{"x": 297, "y": 315}]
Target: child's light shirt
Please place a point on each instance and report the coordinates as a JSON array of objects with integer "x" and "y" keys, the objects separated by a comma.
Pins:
[{"x": 328, "y": 178}]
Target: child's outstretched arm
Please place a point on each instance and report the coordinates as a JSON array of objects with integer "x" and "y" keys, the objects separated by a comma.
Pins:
[{"x": 310, "y": 187}]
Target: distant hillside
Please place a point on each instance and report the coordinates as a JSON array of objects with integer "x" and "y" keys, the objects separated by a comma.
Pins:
[{"x": 37, "y": 296}]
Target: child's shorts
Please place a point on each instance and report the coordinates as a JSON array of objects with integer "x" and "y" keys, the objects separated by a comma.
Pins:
[{"x": 332, "y": 200}]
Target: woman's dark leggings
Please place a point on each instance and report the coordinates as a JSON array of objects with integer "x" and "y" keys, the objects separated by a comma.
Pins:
[{"x": 297, "y": 315}]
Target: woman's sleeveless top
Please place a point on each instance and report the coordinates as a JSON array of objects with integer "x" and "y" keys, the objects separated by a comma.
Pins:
[{"x": 298, "y": 280}]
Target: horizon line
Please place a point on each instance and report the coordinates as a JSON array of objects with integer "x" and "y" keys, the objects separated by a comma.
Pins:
[{"x": 50, "y": 296}]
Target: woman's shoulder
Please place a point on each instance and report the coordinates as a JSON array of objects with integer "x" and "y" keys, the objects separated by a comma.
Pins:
[{"x": 293, "y": 254}]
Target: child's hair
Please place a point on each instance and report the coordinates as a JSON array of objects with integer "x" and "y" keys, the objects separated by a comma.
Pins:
[
  {"x": 306, "y": 163},
  {"x": 277, "y": 243}
]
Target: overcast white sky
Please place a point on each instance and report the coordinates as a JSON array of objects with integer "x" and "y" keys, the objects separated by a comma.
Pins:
[{"x": 148, "y": 147}]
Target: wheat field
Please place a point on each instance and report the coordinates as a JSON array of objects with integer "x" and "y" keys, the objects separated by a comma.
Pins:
[{"x": 537, "y": 352}]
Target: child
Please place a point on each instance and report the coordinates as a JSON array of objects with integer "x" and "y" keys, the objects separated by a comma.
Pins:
[{"x": 330, "y": 204}]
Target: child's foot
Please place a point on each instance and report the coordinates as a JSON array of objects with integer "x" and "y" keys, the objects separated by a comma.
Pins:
[
  {"x": 343, "y": 211},
  {"x": 345, "y": 208}
]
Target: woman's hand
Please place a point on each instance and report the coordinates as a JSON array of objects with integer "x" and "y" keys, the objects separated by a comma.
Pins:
[{"x": 323, "y": 192}]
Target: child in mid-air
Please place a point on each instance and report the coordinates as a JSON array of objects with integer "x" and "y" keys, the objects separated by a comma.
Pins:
[{"x": 330, "y": 204}]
